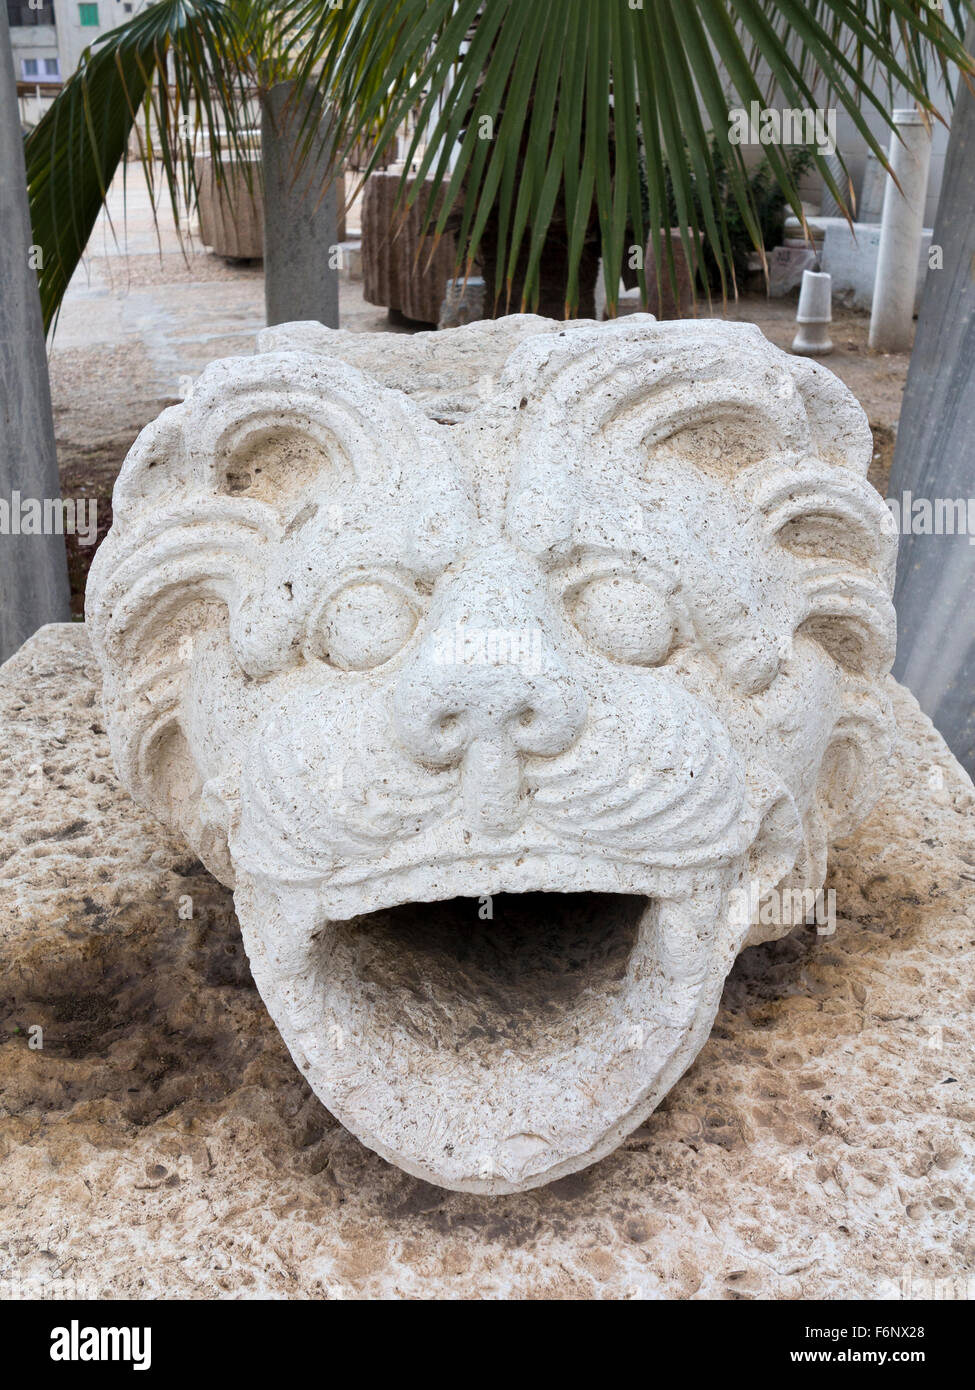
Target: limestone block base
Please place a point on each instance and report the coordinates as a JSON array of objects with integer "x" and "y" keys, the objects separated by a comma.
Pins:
[{"x": 162, "y": 1142}]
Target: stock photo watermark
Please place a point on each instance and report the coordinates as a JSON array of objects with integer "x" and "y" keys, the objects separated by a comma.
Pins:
[
  {"x": 24, "y": 1288},
  {"x": 787, "y": 907},
  {"x": 911, "y": 1286},
  {"x": 765, "y": 125},
  {"x": 49, "y": 516},
  {"x": 83, "y": 1343},
  {"x": 938, "y": 516},
  {"x": 463, "y": 645}
]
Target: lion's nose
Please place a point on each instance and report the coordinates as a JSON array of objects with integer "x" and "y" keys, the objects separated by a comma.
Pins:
[
  {"x": 488, "y": 688},
  {"x": 487, "y": 718}
]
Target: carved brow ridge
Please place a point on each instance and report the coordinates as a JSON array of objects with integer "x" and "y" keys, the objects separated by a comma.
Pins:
[{"x": 657, "y": 410}]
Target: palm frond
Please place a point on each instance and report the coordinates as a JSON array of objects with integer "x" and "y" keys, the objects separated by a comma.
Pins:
[
  {"x": 185, "y": 67},
  {"x": 589, "y": 108},
  {"x": 180, "y": 63},
  {"x": 598, "y": 115}
]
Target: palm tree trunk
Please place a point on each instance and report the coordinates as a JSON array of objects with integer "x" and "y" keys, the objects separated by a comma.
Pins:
[
  {"x": 301, "y": 279},
  {"x": 33, "y": 569}
]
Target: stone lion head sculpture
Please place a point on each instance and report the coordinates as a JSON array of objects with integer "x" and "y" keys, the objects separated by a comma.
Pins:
[{"x": 493, "y": 670}]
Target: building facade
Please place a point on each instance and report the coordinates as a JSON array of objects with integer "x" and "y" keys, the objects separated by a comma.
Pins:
[
  {"x": 49, "y": 36},
  {"x": 80, "y": 22},
  {"x": 34, "y": 40}
]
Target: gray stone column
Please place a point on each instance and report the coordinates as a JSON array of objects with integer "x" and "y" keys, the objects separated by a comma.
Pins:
[
  {"x": 935, "y": 461},
  {"x": 301, "y": 277},
  {"x": 33, "y": 569},
  {"x": 901, "y": 225}
]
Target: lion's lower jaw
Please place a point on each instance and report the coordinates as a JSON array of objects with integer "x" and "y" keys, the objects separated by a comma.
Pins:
[{"x": 494, "y": 1044}]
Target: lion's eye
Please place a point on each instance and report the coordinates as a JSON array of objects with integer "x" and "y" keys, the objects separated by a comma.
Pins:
[
  {"x": 363, "y": 625},
  {"x": 626, "y": 619}
]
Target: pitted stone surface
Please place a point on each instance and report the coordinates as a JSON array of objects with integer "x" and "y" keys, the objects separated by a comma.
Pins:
[
  {"x": 509, "y": 726},
  {"x": 163, "y": 1142}
]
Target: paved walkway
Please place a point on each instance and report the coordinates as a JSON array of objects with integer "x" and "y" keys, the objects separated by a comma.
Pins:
[{"x": 148, "y": 288}]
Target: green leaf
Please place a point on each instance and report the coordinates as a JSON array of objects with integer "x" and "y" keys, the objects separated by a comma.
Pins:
[{"x": 610, "y": 120}]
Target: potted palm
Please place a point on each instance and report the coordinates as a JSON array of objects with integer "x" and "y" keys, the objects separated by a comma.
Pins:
[{"x": 554, "y": 126}]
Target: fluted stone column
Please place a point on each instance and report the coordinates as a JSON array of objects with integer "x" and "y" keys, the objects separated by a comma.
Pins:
[{"x": 402, "y": 268}]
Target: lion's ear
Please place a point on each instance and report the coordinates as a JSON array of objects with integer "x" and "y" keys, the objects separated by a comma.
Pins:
[
  {"x": 268, "y": 427},
  {"x": 839, "y": 429},
  {"x": 716, "y": 394},
  {"x": 155, "y": 471}
]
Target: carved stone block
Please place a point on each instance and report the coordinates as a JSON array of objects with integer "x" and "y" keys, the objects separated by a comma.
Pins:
[
  {"x": 401, "y": 268},
  {"x": 514, "y": 678}
]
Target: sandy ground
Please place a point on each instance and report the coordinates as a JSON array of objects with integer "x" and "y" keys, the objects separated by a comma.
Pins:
[{"x": 150, "y": 308}]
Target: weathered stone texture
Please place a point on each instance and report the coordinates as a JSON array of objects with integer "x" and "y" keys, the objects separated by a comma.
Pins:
[
  {"x": 163, "y": 1141},
  {"x": 508, "y": 733},
  {"x": 400, "y": 268}
]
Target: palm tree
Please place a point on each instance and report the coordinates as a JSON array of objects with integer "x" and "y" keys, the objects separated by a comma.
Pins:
[
  {"x": 545, "y": 126},
  {"x": 178, "y": 70}
]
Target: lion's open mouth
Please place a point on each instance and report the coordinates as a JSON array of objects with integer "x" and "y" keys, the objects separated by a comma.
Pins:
[
  {"x": 490, "y": 1043},
  {"x": 476, "y": 978}
]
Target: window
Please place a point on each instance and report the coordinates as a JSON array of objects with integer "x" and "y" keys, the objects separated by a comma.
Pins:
[
  {"x": 52, "y": 68},
  {"x": 88, "y": 14},
  {"x": 20, "y": 14},
  {"x": 29, "y": 67}
]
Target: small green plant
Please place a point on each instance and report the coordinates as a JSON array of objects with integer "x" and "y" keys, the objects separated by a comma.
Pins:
[
  {"x": 771, "y": 204},
  {"x": 769, "y": 199}
]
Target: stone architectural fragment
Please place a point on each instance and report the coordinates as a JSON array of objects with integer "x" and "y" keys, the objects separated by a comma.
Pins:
[
  {"x": 162, "y": 1143},
  {"x": 231, "y": 210},
  {"x": 402, "y": 268},
  {"x": 515, "y": 678}
]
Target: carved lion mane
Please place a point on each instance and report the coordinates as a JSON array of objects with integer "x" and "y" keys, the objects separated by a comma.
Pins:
[{"x": 520, "y": 607}]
